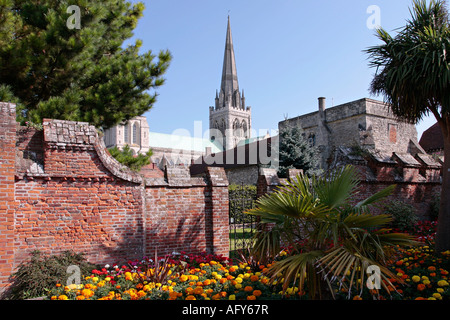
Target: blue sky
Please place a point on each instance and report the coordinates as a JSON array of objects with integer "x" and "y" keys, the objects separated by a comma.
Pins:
[{"x": 288, "y": 53}]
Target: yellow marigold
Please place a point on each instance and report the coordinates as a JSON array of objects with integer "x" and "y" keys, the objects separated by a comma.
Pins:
[
  {"x": 437, "y": 295},
  {"x": 183, "y": 278},
  {"x": 239, "y": 280},
  {"x": 415, "y": 278},
  {"x": 87, "y": 293},
  {"x": 442, "y": 283},
  {"x": 128, "y": 276},
  {"x": 238, "y": 286},
  {"x": 232, "y": 297}
]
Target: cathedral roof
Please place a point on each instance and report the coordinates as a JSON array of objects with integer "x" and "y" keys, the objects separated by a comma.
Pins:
[{"x": 180, "y": 142}]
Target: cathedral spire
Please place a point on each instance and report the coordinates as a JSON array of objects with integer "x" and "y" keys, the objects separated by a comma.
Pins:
[{"x": 229, "y": 83}]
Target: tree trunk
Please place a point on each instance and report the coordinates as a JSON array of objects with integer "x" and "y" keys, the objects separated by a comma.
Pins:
[{"x": 443, "y": 223}]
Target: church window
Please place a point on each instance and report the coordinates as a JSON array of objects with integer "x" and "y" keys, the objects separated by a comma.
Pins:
[
  {"x": 135, "y": 133},
  {"x": 126, "y": 135},
  {"x": 244, "y": 128},
  {"x": 237, "y": 128}
]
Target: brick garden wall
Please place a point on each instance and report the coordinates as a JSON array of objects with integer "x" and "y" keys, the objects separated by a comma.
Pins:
[
  {"x": 61, "y": 190},
  {"x": 412, "y": 188}
]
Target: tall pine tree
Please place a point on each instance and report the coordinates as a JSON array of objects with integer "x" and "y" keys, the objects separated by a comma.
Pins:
[
  {"x": 296, "y": 152},
  {"x": 56, "y": 71}
]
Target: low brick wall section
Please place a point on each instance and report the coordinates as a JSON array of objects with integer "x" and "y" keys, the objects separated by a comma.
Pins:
[{"x": 61, "y": 190}]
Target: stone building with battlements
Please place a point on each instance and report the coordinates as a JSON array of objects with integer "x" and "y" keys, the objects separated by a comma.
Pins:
[{"x": 364, "y": 124}]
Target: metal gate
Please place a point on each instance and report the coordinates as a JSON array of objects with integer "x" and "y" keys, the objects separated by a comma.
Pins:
[{"x": 242, "y": 226}]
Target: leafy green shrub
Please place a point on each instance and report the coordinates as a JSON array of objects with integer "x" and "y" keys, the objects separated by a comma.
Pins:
[
  {"x": 43, "y": 271},
  {"x": 129, "y": 159},
  {"x": 403, "y": 215}
]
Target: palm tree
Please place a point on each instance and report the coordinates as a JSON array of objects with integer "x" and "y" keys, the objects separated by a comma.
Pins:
[
  {"x": 333, "y": 241},
  {"x": 413, "y": 74}
]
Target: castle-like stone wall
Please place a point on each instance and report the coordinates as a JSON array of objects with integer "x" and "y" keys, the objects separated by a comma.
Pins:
[{"x": 364, "y": 123}]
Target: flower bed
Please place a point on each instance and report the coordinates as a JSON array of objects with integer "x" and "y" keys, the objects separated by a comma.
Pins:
[
  {"x": 181, "y": 279},
  {"x": 420, "y": 276}
]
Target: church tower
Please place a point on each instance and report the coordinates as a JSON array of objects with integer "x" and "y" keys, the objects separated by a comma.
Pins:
[{"x": 230, "y": 118}]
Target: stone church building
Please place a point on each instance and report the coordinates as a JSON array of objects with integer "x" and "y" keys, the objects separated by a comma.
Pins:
[
  {"x": 229, "y": 124},
  {"x": 364, "y": 124}
]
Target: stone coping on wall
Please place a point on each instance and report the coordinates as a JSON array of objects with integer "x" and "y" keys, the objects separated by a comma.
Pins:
[{"x": 81, "y": 136}]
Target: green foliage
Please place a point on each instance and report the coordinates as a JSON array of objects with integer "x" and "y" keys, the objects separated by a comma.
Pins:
[
  {"x": 412, "y": 67},
  {"x": 295, "y": 152},
  {"x": 403, "y": 215},
  {"x": 34, "y": 277},
  {"x": 85, "y": 74},
  {"x": 241, "y": 199},
  {"x": 127, "y": 158},
  {"x": 330, "y": 237}
]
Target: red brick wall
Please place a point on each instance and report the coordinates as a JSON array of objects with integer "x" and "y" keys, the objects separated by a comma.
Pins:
[
  {"x": 61, "y": 190},
  {"x": 7, "y": 197},
  {"x": 411, "y": 188}
]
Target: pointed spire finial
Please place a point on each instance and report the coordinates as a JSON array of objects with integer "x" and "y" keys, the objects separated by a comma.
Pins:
[{"x": 229, "y": 83}]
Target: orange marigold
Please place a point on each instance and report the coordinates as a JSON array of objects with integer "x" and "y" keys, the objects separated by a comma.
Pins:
[
  {"x": 257, "y": 293},
  {"x": 252, "y": 297},
  {"x": 421, "y": 287},
  {"x": 248, "y": 289}
]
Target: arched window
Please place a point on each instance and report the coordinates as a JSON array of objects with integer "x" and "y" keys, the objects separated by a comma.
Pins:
[
  {"x": 244, "y": 129},
  {"x": 135, "y": 133},
  {"x": 126, "y": 134},
  {"x": 236, "y": 128}
]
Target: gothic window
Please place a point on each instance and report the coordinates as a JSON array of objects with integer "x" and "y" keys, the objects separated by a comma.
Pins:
[
  {"x": 236, "y": 128},
  {"x": 223, "y": 126},
  {"x": 135, "y": 133},
  {"x": 244, "y": 128},
  {"x": 126, "y": 134}
]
